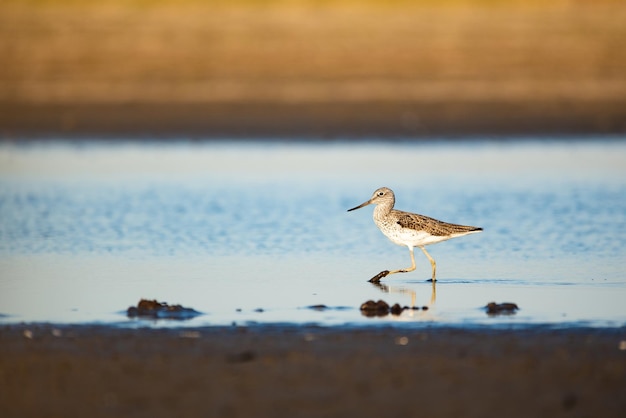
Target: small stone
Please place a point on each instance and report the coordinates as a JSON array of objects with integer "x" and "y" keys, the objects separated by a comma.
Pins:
[
  {"x": 506, "y": 308},
  {"x": 154, "y": 309},
  {"x": 396, "y": 309},
  {"x": 370, "y": 305},
  {"x": 371, "y": 308}
]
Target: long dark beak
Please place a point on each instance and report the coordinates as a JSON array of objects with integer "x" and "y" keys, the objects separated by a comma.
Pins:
[{"x": 361, "y": 205}]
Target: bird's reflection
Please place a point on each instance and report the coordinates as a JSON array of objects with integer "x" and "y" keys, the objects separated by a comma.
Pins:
[{"x": 408, "y": 291}]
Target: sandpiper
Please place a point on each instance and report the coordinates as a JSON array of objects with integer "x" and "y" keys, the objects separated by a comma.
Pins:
[{"x": 410, "y": 229}]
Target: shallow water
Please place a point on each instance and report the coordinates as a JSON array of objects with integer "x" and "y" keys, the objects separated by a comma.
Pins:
[{"x": 256, "y": 232}]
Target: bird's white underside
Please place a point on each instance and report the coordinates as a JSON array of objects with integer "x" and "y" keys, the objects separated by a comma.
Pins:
[{"x": 413, "y": 238}]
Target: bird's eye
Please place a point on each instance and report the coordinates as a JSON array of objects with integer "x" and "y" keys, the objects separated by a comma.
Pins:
[{"x": 381, "y": 193}]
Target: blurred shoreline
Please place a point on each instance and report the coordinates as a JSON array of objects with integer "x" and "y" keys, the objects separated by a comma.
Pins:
[
  {"x": 315, "y": 69},
  {"x": 312, "y": 121}
]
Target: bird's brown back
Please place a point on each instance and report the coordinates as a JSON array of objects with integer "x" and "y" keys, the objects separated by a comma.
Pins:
[{"x": 432, "y": 226}]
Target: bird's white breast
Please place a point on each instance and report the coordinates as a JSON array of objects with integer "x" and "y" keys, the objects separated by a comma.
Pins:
[{"x": 405, "y": 236}]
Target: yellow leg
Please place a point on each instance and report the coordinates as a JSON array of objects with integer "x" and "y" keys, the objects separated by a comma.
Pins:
[
  {"x": 432, "y": 262},
  {"x": 406, "y": 270},
  {"x": 386, "y": 273}
]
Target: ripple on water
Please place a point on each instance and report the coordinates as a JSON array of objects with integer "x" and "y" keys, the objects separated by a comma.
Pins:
[{"x": 242, "y": 235}]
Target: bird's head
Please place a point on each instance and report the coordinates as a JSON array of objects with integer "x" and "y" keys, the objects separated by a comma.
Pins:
[{"x": 382, "y": 195}]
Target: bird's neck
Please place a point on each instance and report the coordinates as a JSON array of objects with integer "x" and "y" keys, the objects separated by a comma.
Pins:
[{"x": 382, "y": 209}]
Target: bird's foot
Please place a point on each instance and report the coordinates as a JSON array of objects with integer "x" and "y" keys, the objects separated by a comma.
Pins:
[
  {"x": 379, "y": 276},
  {"x": 433, "y": 280}
]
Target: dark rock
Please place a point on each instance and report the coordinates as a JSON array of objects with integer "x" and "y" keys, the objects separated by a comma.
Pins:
[
  {"x": 371, "y": 308},
  {"x": 382, "y": 308},
  {"x": 396, "y": 309},
  {"x": 160, "y": 310},
  {"x": 505, "y": 308}
]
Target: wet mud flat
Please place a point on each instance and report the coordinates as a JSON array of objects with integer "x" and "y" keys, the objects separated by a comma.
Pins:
[{"x": 48, "y": 370}]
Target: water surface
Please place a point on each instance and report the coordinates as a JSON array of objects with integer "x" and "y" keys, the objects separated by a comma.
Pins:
[{"x": 256, "y": 232}]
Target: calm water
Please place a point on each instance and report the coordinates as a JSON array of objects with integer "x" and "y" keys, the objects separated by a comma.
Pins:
[{"x": 258, "y": 232}]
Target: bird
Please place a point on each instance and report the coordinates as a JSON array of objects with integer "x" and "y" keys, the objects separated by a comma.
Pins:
[{"x": 410, "y": 229}]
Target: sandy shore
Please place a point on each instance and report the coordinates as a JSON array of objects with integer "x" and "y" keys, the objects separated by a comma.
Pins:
[{"x": 308, "y": 371}]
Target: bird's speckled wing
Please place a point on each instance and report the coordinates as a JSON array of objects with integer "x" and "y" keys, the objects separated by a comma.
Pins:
[{"x": 431, "y": 225}]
